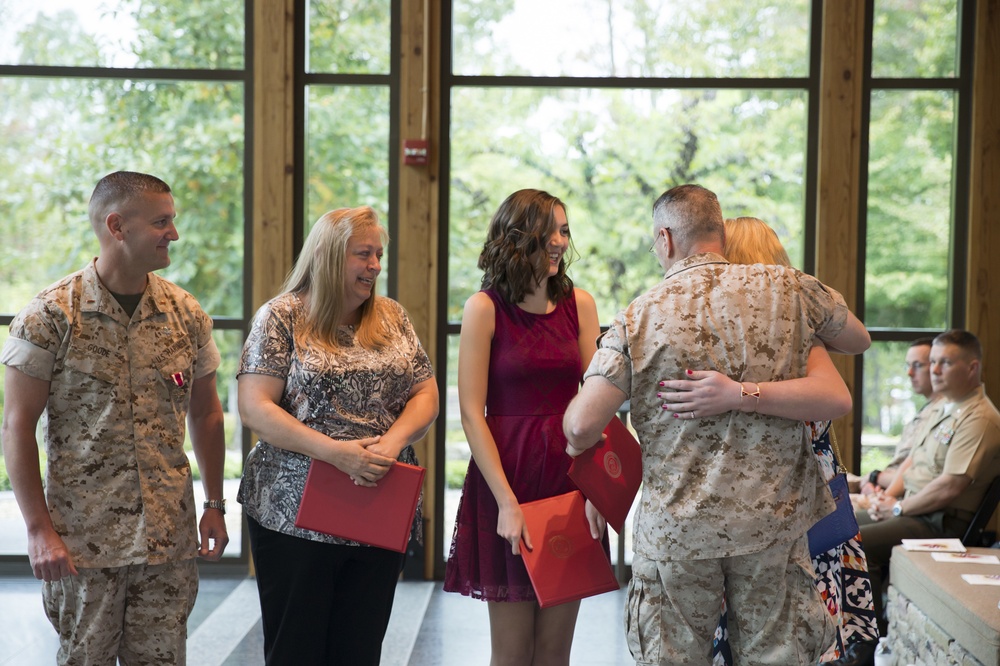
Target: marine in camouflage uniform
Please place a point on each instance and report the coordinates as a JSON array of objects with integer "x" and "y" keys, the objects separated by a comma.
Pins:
[
  {"x": 726, "y": 500},
  {"x": 118, "y": 485}
]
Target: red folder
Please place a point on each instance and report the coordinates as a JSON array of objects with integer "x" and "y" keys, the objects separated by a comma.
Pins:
[
  {"x": 379, "y": 516},
  {"x": 610, "y": 473},
  {"x": 567, "y": 563}
]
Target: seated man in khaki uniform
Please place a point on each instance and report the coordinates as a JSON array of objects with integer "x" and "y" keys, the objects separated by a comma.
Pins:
[{"x": 956, "y": 457}]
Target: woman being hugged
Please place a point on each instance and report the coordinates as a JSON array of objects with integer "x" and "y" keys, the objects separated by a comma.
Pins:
[
  {"x": 332, "y": 372},
  {"x": 526, "y": 339}
]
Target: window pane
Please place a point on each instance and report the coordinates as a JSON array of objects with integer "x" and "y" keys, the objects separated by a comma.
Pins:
[
  {"x": 915, "y": 39},
  {"x": 608, "y": 154},
  {"x": 347, "y": 154},
  {"x": 13, "y": 537},
  {"x": 62, "y": 135},
  {"x": 456, "y": 447},
  {"x": 650, "y": 38},
  {"x": 230, "y": 343},
  {"x": 349, "y": 36},
  {"x": 909, "y": 209},
  {"x": 888, "y": 400},
  {"x": 125, "y": 33}
]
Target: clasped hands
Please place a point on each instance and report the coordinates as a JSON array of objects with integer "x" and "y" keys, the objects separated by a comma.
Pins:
[
  {"x": 365, "y": 460},
  {"x": 880, "y": 505}
]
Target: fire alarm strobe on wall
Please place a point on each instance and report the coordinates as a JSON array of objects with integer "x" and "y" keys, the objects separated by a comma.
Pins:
[{"x": 414, "y": 152}]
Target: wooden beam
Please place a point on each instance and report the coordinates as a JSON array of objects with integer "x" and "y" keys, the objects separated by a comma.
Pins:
[
  {"x": 416, "y": 244},
  {"x": 273, "y": 148},
  {"x": 984, "y": 208},
  {"x": 841, "y": 90}
]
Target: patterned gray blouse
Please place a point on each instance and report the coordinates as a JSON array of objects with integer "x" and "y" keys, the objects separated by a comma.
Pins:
[{"x": 346, "y": 394}]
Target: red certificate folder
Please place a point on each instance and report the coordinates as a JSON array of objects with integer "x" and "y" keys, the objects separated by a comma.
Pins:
[
  {"x": 610, "y": 473},
  {"x": 567, "y": 563},
  {"x": 379, "y": 516}
]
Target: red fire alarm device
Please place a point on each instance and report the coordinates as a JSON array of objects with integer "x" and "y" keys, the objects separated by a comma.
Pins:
[{"x": 414, "y": 152}]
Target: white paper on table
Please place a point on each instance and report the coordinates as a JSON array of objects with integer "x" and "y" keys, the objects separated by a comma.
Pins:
[
  {"x": 981, "y": 579},
  {"x": 934, "y": 545},
  {"x": 966, "y": 558}
]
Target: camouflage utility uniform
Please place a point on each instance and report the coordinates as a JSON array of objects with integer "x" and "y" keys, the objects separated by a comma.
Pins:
[
  {"x": 118, "y": 482},
  {"x": 726, "y": 500}
]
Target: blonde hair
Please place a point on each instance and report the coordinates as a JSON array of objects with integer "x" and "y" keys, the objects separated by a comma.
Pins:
[
  {"x": 750, "y": 241},
  {"x": 319, "y": 270}
]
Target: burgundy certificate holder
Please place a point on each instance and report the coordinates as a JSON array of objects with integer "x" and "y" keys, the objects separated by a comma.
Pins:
[
  {"x": 610, "y": 473},
  {"x": 567, "y": 563},
  {"x": 380, "y": 516}
]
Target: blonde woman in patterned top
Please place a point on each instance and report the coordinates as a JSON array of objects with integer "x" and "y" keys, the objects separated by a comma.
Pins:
[{"x": 330, "y": 371}]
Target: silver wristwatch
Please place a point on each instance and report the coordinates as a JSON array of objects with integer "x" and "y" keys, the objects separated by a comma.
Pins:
[
  {"x": 897, "y": 509},
  {"x": 219, "y": 504}
]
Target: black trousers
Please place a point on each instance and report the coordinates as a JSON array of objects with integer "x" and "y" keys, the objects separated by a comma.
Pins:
[{"x": 322, "y": 604}]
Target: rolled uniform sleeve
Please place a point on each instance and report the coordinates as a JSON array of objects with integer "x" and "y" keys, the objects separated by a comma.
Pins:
[
  {"x": 825, "y": 307},
  {"x": 612, "y": 359}
]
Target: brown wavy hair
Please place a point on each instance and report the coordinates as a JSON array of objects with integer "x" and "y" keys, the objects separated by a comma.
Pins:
[{"x": 513, "y": 259}]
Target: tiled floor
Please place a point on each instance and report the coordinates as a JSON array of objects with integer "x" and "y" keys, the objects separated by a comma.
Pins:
[{"x": 428, "y": 627}]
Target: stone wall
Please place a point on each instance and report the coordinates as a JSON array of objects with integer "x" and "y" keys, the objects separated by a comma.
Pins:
[{"x": 917, "y": 640}]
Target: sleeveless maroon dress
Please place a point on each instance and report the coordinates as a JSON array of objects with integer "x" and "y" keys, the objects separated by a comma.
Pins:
[{"x": 534, "y": 372}]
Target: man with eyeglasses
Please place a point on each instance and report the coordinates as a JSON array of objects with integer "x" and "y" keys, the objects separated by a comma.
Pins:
[
  {"x": 918, "y": 368},
  {"x": 726, "y": 499},
  {"x": 951, "y": 466}
]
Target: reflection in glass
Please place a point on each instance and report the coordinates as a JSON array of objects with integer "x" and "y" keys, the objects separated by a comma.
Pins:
[
  {"x": 648, "y": 38},
  {"x": 208, "y": 34},
  {"x": 915, "y": 39},
  {"x": 888, "y": 402},
  {"x": 909, "y": 219},
  {"x": 349, "y": 37},
  {"x": 62, "y": 135},
  {"x": 609, "y": 154},
  {"x": 347, "y": 154}
]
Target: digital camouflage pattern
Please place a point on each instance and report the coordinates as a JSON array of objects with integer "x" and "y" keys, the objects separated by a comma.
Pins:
[
  {"x": 118, "y": 483},
  {"x": 673, "y": 609},
  {"x": 739, "y": 482},
  {"x": 96, "y": 625}
]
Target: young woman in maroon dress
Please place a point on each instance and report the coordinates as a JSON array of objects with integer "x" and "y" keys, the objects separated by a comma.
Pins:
[{"x": 526, "y": 339}]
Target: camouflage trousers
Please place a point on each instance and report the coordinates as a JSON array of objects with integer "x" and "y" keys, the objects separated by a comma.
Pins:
[
  {"x": 136, "y": 614},
  {"x": 776, "y": 615}
]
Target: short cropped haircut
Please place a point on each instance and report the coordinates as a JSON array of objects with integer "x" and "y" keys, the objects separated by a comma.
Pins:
[
  {"x": 691, "y": 212},
  {"x": 117, "y": 190},
  {"x": 964, "y": 340}
]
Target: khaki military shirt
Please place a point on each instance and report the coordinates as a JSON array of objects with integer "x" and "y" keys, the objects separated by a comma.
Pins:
[
  {"x": 117, "y": 482},
  {"x": 908, "y": 438},
  {"x": 739, "y": 482},
  {"x": 963, "y": 439}
]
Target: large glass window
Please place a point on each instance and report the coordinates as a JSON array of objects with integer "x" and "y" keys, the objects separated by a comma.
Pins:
[
  {"x": 606, "y": 105},
  {"x": 91, "y": 87},
  {"x": 348, "y": 124},
  {"x": 913, "y": 269}
]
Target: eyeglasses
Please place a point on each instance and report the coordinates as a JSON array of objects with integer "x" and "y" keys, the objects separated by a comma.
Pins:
[
  {"x": 916, "y": 366},
  {"x": 652, "y": 248}
]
